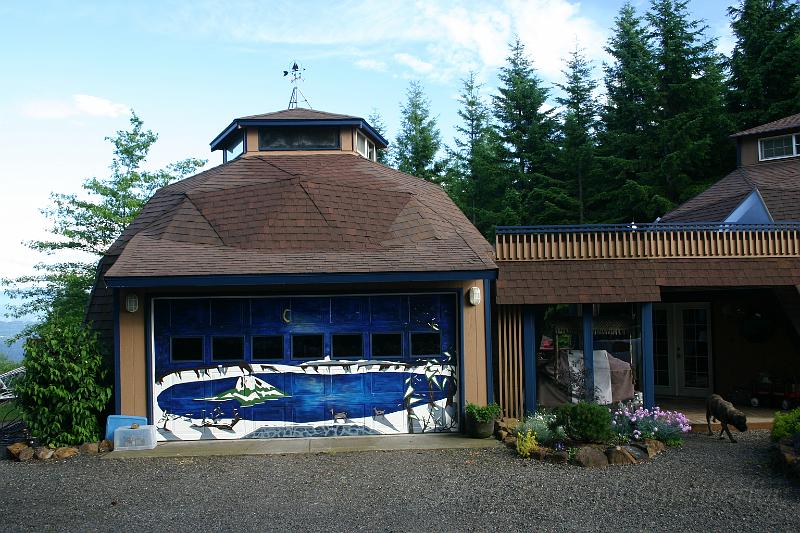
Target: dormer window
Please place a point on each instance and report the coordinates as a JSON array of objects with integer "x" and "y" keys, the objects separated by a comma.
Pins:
[
  {"x": 365, "y": 147},
  {"x": 298, "y": 138},
  {"x": 778, "y": 147}
]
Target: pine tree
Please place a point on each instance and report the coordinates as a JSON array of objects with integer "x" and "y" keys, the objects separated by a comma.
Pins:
[
  {"x": 579, "y": 128},
  {"x": 527, "y": 133},
  {"x": 764, "y": 77},
  {"x": 691, "y": 142},
  {"x": 474, "y": 179},
  {"x": 376, "y": 121},
  {"x": 418, "y": 141},
  {"x": 627, "y": 128}
]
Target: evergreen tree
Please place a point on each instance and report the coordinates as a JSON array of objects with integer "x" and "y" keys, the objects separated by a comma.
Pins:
[
  {"x": 474, "y": 179},
  {"x": 579, "y": 128},
  {"x": 764, "y": 77},
  {"x": 627, "y": 128},
  {"x": 376, "y": 121},
  {"x": 691, "y": 142},
  {"x": 418, "y": 141},
  {"x": 528, "y": 142}
]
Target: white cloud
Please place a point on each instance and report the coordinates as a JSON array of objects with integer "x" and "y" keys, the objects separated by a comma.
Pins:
[
  {"x": 414, "y": 63},
  {"x": 371, "y": 64},
  {"x": 77, "y": 105}
]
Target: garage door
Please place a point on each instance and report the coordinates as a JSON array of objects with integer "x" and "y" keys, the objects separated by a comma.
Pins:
[{"x": 264, "y": 367}]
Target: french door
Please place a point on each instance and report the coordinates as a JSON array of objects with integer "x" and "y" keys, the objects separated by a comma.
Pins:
[{"x": 682, "y": 349}]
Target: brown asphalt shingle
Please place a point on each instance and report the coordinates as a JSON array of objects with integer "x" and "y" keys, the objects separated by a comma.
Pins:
[
  {"x": 633, "y": 280},
  {"x": 785, "y": 123},
  {"x": 285, "y": 214},
  {"x": 298, "y": 113}
]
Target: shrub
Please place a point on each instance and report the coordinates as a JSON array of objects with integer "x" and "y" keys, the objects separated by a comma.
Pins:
[
  {"x": 63, "y": 391},
  {"x": 585, "y": 422},
  {"x": 526, "y": 444},
  {"x": 544, "y": 428},
  {"x": 786, "y": 424},
  {"x": 483, "y": 414}
]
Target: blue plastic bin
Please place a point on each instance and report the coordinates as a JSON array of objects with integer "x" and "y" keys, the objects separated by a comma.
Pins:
[{"x": 122, "y": 421}]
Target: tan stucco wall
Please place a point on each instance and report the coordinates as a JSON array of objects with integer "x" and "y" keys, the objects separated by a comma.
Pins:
[
  {"x": 132, "y": 339},
  {"x": 132, "y": 362},
  {"x": 749, "y": 151}
]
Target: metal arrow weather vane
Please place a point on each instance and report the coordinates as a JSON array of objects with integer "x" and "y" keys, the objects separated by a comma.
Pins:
[{"x": 295, "y": 75}]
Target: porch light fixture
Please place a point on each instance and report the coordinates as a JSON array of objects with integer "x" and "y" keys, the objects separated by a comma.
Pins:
[
  {"x": 474, "y": 296},
  {"x": 131, "y": 303}
]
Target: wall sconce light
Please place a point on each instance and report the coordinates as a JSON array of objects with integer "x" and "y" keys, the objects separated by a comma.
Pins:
[
  {"x": 131, "y": 303},
  {"x": 474, "y": 296}
]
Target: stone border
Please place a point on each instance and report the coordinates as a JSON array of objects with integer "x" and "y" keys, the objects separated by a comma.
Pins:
[
  {"x": 22, "y": 451},
  {"x": 787, "y": 456}
]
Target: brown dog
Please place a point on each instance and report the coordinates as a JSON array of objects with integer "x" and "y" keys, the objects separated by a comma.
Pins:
[{"x": 725, "y": 413}]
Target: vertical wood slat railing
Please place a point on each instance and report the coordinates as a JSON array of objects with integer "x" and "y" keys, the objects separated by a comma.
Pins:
[
  {"x": 646, "y": 241},
  {"x": 510, "y": 371}
]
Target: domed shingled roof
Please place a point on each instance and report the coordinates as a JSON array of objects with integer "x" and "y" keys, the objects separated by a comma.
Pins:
[{"x": 299, "y": 214}]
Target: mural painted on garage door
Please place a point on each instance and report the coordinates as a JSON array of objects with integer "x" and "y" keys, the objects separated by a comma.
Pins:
[{"x": 228, "y": 368}]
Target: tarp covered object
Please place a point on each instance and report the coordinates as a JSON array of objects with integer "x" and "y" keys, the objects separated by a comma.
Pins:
[{"x": 556, "y": 379}]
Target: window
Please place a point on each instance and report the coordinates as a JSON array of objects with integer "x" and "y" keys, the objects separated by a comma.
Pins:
[
  {"x": 235, "y": 148},
  {"x": 227, "y": 348},
  {"x": 426, "y": 344},
  {"x": 267, "y": 347},
  {"x": 364, "y": 146},
  {"x": 187, "y": 348},
  {"x": 387, "y": 345},
  {"x": 778, "y": 147},
  {"x": 347, "y": 345},
  {"x": 307, "y": 346},
  {"x": 298, "y": 138}
]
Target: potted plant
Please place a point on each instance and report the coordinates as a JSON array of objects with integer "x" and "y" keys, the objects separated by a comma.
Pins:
[{"x": 480, "y": 420}]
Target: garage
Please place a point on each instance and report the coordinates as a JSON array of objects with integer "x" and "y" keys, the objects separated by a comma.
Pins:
[{"x": 305, "y": 366}]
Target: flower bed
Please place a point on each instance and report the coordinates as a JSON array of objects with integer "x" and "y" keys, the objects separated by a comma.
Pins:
[{"x": 594, "y": 435}]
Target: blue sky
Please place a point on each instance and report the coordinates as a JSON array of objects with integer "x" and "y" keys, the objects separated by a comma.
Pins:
[{"x": 71, "y": 71}]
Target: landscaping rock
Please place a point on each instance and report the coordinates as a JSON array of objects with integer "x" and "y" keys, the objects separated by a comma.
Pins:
[
  {"x": 89, "y": 448},
  {"x": 510, "y": 441},
  {"x": 25, "y": 454},
  {"x": 651, "y": 447},
  {"x": 505, "y": 424},
  {"x": 42, "y": 453},
  {"x": 65, "y": 453},
  {"x": 14, "y": 449},
  {"x": 637, "y": 453},
  {"x": 105, "y": 446},
  {"x": 502, "y": 434},
  {"x": 539, "y": 453},
  {"x": 557, "y": 457},
  {"x": 619, "y": 456},
  {"x": 590, "y": 457}
]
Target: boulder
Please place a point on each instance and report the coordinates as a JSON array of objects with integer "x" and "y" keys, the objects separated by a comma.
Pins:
[
  {"x": 42, "y": 453},
  {"x": 510, "y": 441},
  {"x": 502, "y": 434},
  {"x": 590, "y": 457},
  {"x": 539, "y": 453},
  {"x": 637, "y": 453},
  {"x": 105, "y": 446},
  {"x": 557, "y": 457},
  {"x": 65, "y": 452},
  {"x": 619, "y": 456},
  {"x": 651, "y": 447},
  {"x": 14, "y": 449},
  {"x": 89, "y": 448},
  {"x": 505, "y": 424},
  {"x": 25, "y": 454}
]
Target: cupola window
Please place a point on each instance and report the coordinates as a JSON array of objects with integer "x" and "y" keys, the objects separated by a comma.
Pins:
[
  {"x": 298, "y": 138},
  {"x": 365, "y": 147},
  {"x": 235, "y": 148},
  {"x": 778, "y": 147}
]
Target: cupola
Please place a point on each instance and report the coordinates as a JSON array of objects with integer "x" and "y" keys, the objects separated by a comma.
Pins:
[{"x": 298, "y": 131}]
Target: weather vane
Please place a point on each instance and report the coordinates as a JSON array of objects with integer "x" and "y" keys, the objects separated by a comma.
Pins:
[{"x": 295, "y": 75}]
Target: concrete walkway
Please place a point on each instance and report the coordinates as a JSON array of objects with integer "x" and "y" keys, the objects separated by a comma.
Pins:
[{"x": 204, "y": 448}]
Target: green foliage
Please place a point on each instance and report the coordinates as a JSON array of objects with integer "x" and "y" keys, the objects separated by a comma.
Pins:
[
  {"x": 418, "y": 141},
  {"x": 7, "y": 364},
  {"x": 786, "y": 424},
  {"x": 585, "y": 422},
  {"x": 764, "y": 81},
  {"x": 543, "y": 425},
  {"x": 526, "y": 444},
  {"x": 483, "y": 414},
  {"x": 64, "y": 389}
]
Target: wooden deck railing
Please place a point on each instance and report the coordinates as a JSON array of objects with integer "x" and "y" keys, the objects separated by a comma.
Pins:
[{"x": 646, "y": 241}]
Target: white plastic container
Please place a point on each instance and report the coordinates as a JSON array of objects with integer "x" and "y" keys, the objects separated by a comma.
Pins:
[{"x": 141, "y": 438}]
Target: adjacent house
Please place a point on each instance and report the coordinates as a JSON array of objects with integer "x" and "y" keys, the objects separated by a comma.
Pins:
[
  {"x": 299, "y": 289},
  {"x": 303, "y": 289}
]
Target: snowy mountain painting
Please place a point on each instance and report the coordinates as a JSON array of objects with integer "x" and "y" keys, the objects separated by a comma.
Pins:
[
  {"x": 249, "y": 390},
  {"x": 316, "y": 398}
]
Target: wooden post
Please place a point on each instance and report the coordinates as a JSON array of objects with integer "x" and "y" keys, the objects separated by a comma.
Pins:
[
  {"x": 588, "y": 352},
  {"x": 648, "y": 360}
]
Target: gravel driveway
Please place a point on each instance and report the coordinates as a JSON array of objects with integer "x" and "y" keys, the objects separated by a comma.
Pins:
[{"x": 708, "y": 485}]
